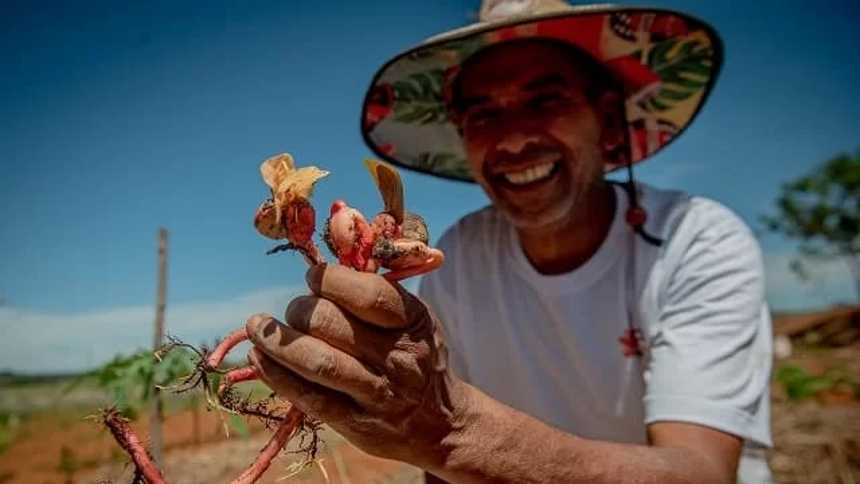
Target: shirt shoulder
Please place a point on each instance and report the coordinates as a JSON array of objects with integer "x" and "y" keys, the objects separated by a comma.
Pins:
[{"x": 685, "y": 222}]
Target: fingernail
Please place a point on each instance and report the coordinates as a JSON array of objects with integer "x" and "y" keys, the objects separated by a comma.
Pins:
[
  {"x": 268, "y": 328},
  {"x": 254, "y": 322}
]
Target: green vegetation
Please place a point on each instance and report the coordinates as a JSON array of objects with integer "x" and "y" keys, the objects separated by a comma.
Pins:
[
  {"x": 9, "y": 425},
  {"x": 131, "y": 380},
  {"x": 799, "y": 384},
  {"x": 822, "y": 211}
]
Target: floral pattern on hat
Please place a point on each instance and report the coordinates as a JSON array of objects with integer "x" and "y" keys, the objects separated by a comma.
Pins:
[{"x": 665, "y": 61}]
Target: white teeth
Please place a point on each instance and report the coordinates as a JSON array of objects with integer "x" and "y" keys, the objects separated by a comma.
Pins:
[{"x": 530, "y": 174}]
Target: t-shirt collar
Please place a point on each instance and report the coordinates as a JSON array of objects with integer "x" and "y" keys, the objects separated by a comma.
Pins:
[{"x": 583, "y": 276}]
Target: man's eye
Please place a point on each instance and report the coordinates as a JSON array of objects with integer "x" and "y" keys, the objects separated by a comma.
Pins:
[
  {"x": 547, "y": 100},
  {"x": 483, "y": 116}
]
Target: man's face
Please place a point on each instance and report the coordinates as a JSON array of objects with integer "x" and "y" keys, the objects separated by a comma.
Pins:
[{"x": 532, "y": 137}]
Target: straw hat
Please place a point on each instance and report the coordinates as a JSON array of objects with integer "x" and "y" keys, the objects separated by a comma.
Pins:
[{"x": 665, "y": 61}]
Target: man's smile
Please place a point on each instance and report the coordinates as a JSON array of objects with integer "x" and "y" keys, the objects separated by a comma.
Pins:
[
  {"x": 527, "y": 172},
  {"x": 529, "y": 176}
]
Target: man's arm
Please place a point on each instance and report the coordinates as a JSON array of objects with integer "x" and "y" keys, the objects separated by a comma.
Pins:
[
  {"x": 709, "y": 455},
  {"x": 499, "y": 444},
  {"x": 367, "y": 357}
]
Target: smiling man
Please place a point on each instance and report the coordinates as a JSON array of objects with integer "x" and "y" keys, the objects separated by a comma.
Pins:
[
  {"x": 580, "y": 330},
  {"x": 535, "y": 134}
]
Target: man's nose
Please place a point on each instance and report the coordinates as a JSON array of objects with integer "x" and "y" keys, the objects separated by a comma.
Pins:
[{"x": 514, "y": 141}]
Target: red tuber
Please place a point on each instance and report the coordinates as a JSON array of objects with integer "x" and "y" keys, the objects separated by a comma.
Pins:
[{"x": 393, "y": 239}]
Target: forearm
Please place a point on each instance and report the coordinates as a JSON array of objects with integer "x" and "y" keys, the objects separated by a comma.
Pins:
[{"x": 496, "y": 443}]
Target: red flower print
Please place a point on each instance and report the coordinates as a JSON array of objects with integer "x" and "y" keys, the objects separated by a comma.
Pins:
[
  {"x": 635, "y": 75},
  {"x": 646, "y": 141},
  {"x": 667, "y": 26},
  {"x": 380, "y": 103},
  {"x": 630, "y": 342}
]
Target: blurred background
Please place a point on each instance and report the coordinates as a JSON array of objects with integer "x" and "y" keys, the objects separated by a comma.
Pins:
[{"x": 118, "y": 119}]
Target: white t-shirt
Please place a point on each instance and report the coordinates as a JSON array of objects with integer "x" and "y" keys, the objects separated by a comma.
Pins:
[{"x": 549, "y": 345}]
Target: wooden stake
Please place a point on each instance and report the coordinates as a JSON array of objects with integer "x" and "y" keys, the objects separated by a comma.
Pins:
[{"x": 157, "y": 416}]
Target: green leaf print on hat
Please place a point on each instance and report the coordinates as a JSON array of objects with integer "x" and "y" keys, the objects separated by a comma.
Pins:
[
  {"x": 418, "y": 98},
  {"x": 684, "y": 67}
]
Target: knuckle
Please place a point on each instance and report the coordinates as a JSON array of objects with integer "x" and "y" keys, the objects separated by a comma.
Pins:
[
  {"x": 381, "y": 391},
  {"x": 323, "y": 315},
  {"x": 324, "y": 365},
  {"x": 404, "y": 366}
]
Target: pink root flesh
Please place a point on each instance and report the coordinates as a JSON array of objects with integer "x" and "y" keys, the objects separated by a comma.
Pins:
[
  {"x": 277, "y": 442},
  {"x": 435, "y": 259},
  {"x": 220, "y": 352},
  {"x": 130, "y": 442},
  {"x": 238, "y": 375}
]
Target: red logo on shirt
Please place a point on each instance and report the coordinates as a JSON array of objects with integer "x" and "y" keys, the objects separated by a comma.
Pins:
[{"x": 630, "y": 342}]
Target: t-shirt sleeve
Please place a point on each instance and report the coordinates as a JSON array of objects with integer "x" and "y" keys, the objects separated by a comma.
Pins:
[
  {"x": 710, "y": 347},
  {"x": 437, "y": 290}
]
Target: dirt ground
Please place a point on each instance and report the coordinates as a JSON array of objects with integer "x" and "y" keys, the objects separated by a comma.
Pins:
[
  {"x": 817, "y": 440},
  {"x": 61, "y": 449},
  {"x": 338, "y": 461}
]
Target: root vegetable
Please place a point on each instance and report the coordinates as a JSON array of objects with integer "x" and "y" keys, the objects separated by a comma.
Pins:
[
  {"x": 130, "y": 442},
  {"x": 394, "y": 239}
]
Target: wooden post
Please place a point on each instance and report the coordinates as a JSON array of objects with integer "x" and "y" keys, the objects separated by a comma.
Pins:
[{"x": 157, "y": 417}]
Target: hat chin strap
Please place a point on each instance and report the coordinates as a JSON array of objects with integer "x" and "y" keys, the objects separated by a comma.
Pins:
[
  {"x": 495, "y": 10},
  {"x": 636, "y": 215}
]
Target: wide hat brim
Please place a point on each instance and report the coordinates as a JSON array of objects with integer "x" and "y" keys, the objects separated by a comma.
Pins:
[{"x": 666, "y": 61}]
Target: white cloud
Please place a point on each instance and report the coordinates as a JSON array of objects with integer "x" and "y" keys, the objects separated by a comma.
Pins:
[
  {"x": 35, "y": 341},
  {"x": 830, "y": 283}
]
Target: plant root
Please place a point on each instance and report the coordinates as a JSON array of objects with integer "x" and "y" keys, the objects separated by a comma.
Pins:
[
  {"x": 270, "y": 411},
  {"x": 145, "y": 468}
]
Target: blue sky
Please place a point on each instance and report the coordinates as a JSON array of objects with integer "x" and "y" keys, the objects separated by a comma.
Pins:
[{"x": 118, "y": 118}]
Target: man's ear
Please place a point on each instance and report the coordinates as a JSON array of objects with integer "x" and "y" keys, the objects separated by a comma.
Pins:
[{"x": 613, "y": 133}]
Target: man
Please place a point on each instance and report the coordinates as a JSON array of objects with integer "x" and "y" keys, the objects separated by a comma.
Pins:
[{"x": 598, "y": 333}]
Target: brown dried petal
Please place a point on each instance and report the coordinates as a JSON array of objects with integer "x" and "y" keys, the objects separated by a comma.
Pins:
[
  {"x": 300, "y": 183},
  {"x": 276, "y": 169},
  {"x": 265, "y": 221}
]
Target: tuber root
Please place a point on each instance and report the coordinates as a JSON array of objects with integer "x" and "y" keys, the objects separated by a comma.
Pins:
[{"x": 394, "y": 239}]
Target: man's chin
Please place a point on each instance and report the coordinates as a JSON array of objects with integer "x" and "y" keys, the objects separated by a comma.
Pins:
[{"x": 534, "y": 216}]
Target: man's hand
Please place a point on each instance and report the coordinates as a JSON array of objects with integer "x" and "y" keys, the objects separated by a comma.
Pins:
[{"x": 366, "y": 357}]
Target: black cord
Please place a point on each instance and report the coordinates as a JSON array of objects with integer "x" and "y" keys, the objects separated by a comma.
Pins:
[{"x": 633, "y": 196}]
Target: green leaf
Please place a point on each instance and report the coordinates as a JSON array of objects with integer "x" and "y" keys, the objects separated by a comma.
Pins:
[
  {"x": 418, "y": 98},
  {"x": 674, "y": 95},
  {"x": 684, "y": 67},
  {"x": 821, "y": 210},
  {"x": 799, "y": 384},
  {"x": 239, "y": 426}
]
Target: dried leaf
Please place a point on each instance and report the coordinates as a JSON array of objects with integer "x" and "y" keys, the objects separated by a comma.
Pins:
[
  {"x": 300, "y": 183},
  {"x": 276, "y": 169},
  {"x": 390, "y": 186},
  {"x": 288, "y": 183}
]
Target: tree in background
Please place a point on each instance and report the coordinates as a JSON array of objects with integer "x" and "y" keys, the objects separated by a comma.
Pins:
[{"x": 822, "y": 211}]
